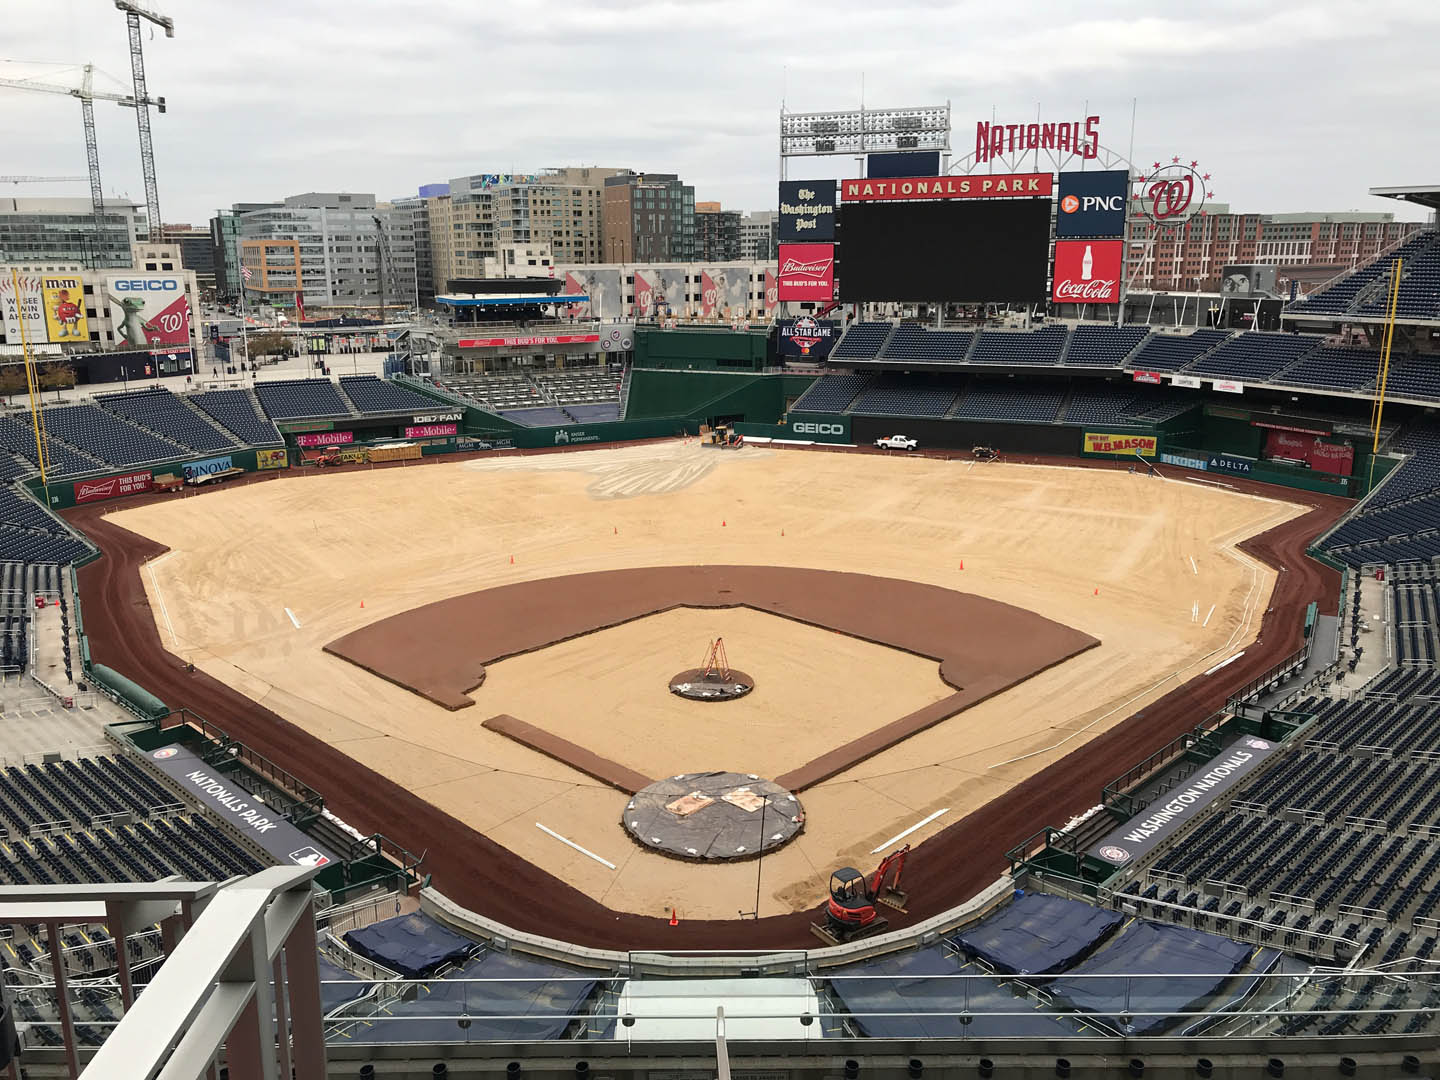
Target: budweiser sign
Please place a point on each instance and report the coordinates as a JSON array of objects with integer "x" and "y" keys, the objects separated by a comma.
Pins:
[
  {"x": 946, "y": 187},
  {"x": 112, "y": 487},
  {"x": 539, "y": 339},
  {"x": 1087, "y": 271},
  {"x": 807, "y": 272}
]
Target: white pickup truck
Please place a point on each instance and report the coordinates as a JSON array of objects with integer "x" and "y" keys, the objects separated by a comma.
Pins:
[{"x": 897, "y": 442}]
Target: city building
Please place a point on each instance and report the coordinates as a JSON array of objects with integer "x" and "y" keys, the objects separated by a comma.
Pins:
[
  {"x": 197, "y": 252},
  {"x": 717, "y": 233},
  {"x": 759, "y": 235},
  {"x": 414, "y": 210},
  {"x": 520, "y": 261},
  {"x": 1305, "y": 248},
  {"x": 225, "y": 240},
  {"x": 327, "y": 248},
  {"x": 648, "y": 217},
  {"x": 62, "y": 230},
  {"x": 480, "y": 213}
]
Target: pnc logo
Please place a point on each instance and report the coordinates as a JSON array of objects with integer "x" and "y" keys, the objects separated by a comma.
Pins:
[
  {"x": 807, "y": 428},
  {"x": 1071, "y": 204},
  {"x": 147, "y": 285}
]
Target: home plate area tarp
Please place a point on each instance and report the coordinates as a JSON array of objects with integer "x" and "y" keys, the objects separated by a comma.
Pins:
[
  {"x": 1038, "y": 934},
  {"x": 411, "y": 945}
]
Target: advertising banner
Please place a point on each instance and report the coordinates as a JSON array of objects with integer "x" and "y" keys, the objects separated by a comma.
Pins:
[
  {"x": 242, "y": 811},
  {"x": 538, "y": 339},
  {"x": 947, "y": 187},
  {"x": 904, "y": 163},
  {"x": 1197, "y": 463},
  {"x": 148, "y": 309},
  {"x": 772, "y": 289},
  {"x": 1088, "y": 271},
  {"x": 1149, "y": 377},
  {"x": 807, "y": 337},
  {"x": 1189, "y": 382},
  {"x": 1093, "y": 203},
  {"x": 602, "y": 287},
  {"x": 424, "y": 431},
  {"x": 271, "y": 459},
  {"x": 1337, "y": 458},
  {"x": 325, "y": 438},
  {"x": 1226, "y": 463},
  {"x": 207, "y": 467},
  {"x": 807, "y": 272},
  {"x": 112, "y": 487},
  {"x": 807, "y": 210},
  {"x": 1129, "y": 445},
  {"x": 661, "y": 292},
  {"x": 1228, "y": 386},
  {"x": 27, "y": 300},
  {"x": 732, "y": 285},
  {"x": 65, "y": 309},
  {"x": 437, "y": 418},
  {"x": 819, "y": 427}
]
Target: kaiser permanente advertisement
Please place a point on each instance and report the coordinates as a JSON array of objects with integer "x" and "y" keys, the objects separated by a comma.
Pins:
[{"x": 148, "y": 309}]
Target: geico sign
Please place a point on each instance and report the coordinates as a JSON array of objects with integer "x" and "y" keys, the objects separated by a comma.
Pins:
[
  {"x": 817, "y": 429},
  {"x": 147, "y": 285}
]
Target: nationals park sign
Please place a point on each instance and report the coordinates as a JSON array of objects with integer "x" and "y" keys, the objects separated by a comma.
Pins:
[{"x": 947, "y": 187}]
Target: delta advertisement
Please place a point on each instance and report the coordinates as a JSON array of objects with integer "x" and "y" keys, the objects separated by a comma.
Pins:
[
  {"x": 807, "y": 337},
  {"x": 26, "y": 300},
  {"x": 1128, "y": 445},
  {"x": 1087, "y": 271},
  {"x": 148, "y": 309},
  {"x": 807, "y": 272},
  {"x": 1092, "y": 203},
  {"x": 807, "y": 210},
  {"x": 1337, "y": 458}
]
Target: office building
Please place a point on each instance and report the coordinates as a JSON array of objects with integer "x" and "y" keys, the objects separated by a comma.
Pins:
[
  {"x": 717, "y": 233},
  {"x": 648, "y": 217},
  {"x": 62, "y": 230},
  {"x": 759, "y": 235},
  {"x": 197, "y": 252}
]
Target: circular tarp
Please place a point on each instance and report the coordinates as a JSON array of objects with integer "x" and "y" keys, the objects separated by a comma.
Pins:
[
  {"x": 712, "y": 816},
  {"x": 696, "y": 685}
]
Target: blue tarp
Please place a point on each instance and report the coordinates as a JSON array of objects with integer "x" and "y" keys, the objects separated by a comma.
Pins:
[
  {"x": 549, "y": 995},
  {"x": 1038, "y": 935},
  {"x": 1194, "y": 964},
  {"x": 412, "y": 945},
  {"x": 935, "y": 1004},
  {"x": 337, "y": 986}
]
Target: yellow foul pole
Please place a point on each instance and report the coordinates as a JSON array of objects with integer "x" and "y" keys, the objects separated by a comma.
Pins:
[
  {"x": 32, "y": 382},
  {"x": 1377, "y": 413}
]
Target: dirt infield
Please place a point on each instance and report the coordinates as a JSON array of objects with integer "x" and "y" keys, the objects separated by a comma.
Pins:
[
  {"x": 577, "y": 757},
  {"x": 983, "y": 646},
  {"x": 482, "y": 874}
]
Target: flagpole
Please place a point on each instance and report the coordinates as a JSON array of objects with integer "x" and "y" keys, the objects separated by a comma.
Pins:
[{"x": 244, "y": 337}]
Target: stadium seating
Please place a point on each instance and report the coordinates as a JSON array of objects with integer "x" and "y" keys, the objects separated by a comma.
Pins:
[
  {"x": 108, "y": 438},
  {"x": 160, "y": 411},
  {"x": 495, "y": 392},
  {"x": 235, "y": 410},
  {"x": 1039, "y": 348},
  {"x": 294, "y": 399},
  {"x": 17, "y": 436},
  {"x": 830, "y": 393},
  {"x": 904, "y": 396},
  {"x": 1419, "y": 283},
  {"x": 1119, "y": 405},
  {"x": 373, "y": 395},
  {"x": 1414, "y": 377},
  {"x": 1171, "y": 352},
  {"x": 862, "y": 341},
  {"x": 1398, "y": 522},
  {"x": 1332, "y": 368},
  {"x": 1037, "y": 403},
  {"x": 593, "y": 414},
  {"x": 580, "y": 386},
  {"x": 1103, "y": 346},
  {"x": 1254, "y": 357},
  {"x": 544, "y": 417},
  {"x": 912, "y": 341},
  {"x": 1367, "y": 284}
]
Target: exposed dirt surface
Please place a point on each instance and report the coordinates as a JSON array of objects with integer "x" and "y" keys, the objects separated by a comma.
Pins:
[
  {"x": 577, "y": 757},
  {"x": 481, "y": 875}
]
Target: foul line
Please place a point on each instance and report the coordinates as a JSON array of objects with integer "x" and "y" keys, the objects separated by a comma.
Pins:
[
  {"x": 577, "y": 847},
  {"x": 1193, "y": 566},
  {"x": 293, "y": 619},
  {"x": 1223, "y": 663},
  {"x": 160, "y": 597},
  {"x": 901, "y": 836}
]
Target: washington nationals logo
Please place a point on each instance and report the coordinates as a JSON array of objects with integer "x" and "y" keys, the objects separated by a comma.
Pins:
[{"x": 1172, "y": 193}]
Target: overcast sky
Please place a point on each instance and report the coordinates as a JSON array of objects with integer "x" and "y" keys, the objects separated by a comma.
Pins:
[{"x": 1290, "y": 107}]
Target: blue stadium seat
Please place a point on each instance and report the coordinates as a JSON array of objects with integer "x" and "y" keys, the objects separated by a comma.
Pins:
[
  {"x": 1037, "y": 403},
  {"x": 234, "y": 410},
  {"x": 830, "y": 393},
  {"x": 373, "y": 395},
  {"x": 1018, "y": 348},
  {"x": 165, "y": 414},
  {"x": 862, "y": 341},
  {"x": 294, "y": 399},
  {"x": 912, "y": 341},
  {"x": 1171, "y": 352},
  {"x": 1103, "y": 346},
  {"x": 1254, "y": 357},
  {"x": 892, "y": 395}
]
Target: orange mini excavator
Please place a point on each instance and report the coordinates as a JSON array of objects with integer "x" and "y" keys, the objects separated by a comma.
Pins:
[{"x": 850, "y": 913}]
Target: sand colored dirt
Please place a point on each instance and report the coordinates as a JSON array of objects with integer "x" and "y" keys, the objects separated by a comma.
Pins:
[
  {"x": 827, "y": 686},
  {"x": 1040, "y": 538}
]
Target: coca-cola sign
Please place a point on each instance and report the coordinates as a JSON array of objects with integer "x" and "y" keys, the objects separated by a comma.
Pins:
[
  {"x": 1088, "y": 271},
  {"x": 807, "y": 272}
]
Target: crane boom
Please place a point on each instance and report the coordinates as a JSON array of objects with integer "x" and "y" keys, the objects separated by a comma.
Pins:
[{"x": 133, "y": 14}]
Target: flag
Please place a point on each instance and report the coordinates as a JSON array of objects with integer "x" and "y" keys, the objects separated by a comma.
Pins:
[
  {"x": 299, "y": 306},
  {"x": 245, "y": 272}
]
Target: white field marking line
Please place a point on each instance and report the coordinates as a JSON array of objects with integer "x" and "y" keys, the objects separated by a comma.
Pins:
[
  {"x": 1193, "y": 566},
  {"x": 164, "y": 611},
  {"x": 577, "y": 847},
  {"x": 1227, "y": 660},
  {"x": 1195, "y": 611},
  {"x": 293, "y": 619},
  {"x": 1208, "y": 614},
  {"x": 1240, "y": 628},
  {"x": 913, "y": 828}
]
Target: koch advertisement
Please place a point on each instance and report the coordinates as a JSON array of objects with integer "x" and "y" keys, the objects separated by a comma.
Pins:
[
  {"x": 807, "y": 272},
  {"x": 807, "y": 337},
  {"x": 807, "y": 210},
  {"x": 112, "y": 487},
  {"x": 1092, "y": 203},
  {"x": 26, "y": 300},
  {"x": 64, "y": 299},
  {"x": 1087, "y": 271},
  {"x": 1128, "y": 445},
  {"x": 148, "y": 309},
  {"x": 1337, "y": 458}
]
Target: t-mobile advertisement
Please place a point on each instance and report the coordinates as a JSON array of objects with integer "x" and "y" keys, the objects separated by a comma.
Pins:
[
  {"x": 1087, "y": 271},
  {"x": 1337, "y": 458}
]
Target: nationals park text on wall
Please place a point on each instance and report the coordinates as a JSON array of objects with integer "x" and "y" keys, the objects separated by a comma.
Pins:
[{"x": 947, "y": 187}]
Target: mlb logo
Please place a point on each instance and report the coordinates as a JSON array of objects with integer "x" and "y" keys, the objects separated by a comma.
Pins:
[
  {"x": 168, "y": 752},
  {"x": 308, "y": 856}
]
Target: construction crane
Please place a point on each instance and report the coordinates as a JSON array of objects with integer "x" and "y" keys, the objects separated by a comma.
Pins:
[
  {"x": 87, "y": 95},
  {"x": 133, "y": 14},
  {"x": 42, "y": 179}
]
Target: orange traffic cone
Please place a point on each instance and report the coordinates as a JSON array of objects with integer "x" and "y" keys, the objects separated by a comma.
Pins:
[
  {"x": 674, "y": 917},
  {"x": 722, "y": 524},
  {"x": 782, "y": 532},
  {"x": 962, "y": 564},
  {"x": 615, "y": 530},
  {"x": 362, "y": 603},
  {"x": 1097, "y": 590},
  {"x": 512, "y": 560}
]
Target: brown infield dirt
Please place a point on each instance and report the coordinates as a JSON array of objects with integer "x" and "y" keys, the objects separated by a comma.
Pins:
[
  {"x": 983, "y": 646},
  {"x": 487, "y": 878}
]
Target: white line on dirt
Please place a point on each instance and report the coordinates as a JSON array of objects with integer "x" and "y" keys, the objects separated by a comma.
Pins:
[
  {"x": 1208, "y": 614},
  {"x": 1193, "y": 566},
  {"x": 577, "y": 847},
  {"x": 901, "y": 836},
  {"x": 1226, "y": 662},
  {"x": 160, "y": 597},
  {"x": 293, "y": 619}
]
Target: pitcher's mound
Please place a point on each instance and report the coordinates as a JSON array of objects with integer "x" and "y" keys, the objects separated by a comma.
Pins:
[{"x": 713, "y": 816}]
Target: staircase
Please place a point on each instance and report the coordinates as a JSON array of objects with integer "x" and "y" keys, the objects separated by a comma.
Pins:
[{"x": 203, "y": 415}]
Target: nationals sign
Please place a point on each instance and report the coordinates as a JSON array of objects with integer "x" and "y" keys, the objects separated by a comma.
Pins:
[
  {"x": 946, "y": 187},
  {"x": 112, "y": 487},
  {"x": 542, "y": 339},
  {"x": 1087, "y": 271},
  {"x": 807, "y": 272}
]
